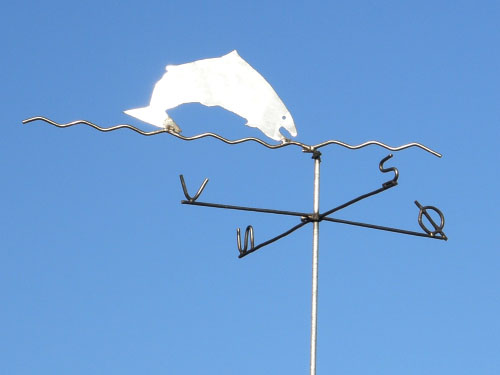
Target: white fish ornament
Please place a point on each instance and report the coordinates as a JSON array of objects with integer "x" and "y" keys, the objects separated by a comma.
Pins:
[{"x": 227, "y": 81}]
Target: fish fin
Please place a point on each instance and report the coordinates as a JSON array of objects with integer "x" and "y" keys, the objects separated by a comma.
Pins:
[
  {"x": 149, "y": 115},
  {"x": 251, "y": 125}
]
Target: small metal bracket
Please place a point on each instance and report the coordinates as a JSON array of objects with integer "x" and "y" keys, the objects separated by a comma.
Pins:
[
  {"x": 312, "y": 218},
  {"x": 316, "y": 155}
]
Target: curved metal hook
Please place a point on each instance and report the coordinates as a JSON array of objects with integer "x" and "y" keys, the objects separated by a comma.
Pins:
[
  {"x": 186, "y": 194},
  {"x": 394, "y": 181},
  {"x": 248, "y": 231}
]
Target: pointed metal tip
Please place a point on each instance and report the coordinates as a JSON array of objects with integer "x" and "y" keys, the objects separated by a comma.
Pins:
[{"x": 25, "y": 121}]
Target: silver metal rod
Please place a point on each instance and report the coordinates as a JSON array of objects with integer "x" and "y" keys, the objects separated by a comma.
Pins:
[
  {"x": 315, "y": 254},
  {"x": 306, "y": 148}
]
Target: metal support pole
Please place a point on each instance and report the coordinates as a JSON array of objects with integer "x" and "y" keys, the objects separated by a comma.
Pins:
[{"x": 315, "y": 250}]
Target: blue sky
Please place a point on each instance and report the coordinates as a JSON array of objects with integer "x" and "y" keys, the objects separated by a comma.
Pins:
[{"x": 102, "y": 270}]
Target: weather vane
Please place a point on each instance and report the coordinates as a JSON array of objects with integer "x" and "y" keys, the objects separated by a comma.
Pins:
[{"x": 231, "y": 83}]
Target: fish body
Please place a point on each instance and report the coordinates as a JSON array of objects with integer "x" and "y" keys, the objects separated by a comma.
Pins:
[{"x": 227, "y": 81}]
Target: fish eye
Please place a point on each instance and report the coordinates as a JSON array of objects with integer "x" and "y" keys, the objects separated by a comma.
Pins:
[{"x": 283, "y": 117}]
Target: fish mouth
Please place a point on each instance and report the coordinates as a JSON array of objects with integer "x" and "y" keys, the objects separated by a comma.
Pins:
[
  {"x": 292, "y": 133},
  {"x": 290, "y": 128}
]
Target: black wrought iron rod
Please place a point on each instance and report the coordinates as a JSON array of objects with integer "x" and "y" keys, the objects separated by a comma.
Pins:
[
  {"x": 361, "y": 197},
  {"x": 282, "y": 212},
  {"x": 379, "y": 227},
  {"x": 241, "y": 208},
  {"x": 290, "y": 231}
]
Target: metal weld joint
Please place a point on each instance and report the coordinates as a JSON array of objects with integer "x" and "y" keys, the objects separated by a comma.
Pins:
[
  {"x": 316, "y": 155},
  {"x": 311, "y": 218}
]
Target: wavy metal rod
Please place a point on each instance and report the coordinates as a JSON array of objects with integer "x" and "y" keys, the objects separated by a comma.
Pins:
[
  {"x": 67, "y": 125},
  {"x": 305, "y": 148}
]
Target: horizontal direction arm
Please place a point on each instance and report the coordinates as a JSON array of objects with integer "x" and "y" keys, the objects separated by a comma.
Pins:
[
  {"x": 242, "y": 208},
  {"x": 388, "y": 229},
  {"x": 352, "y": 201}
]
